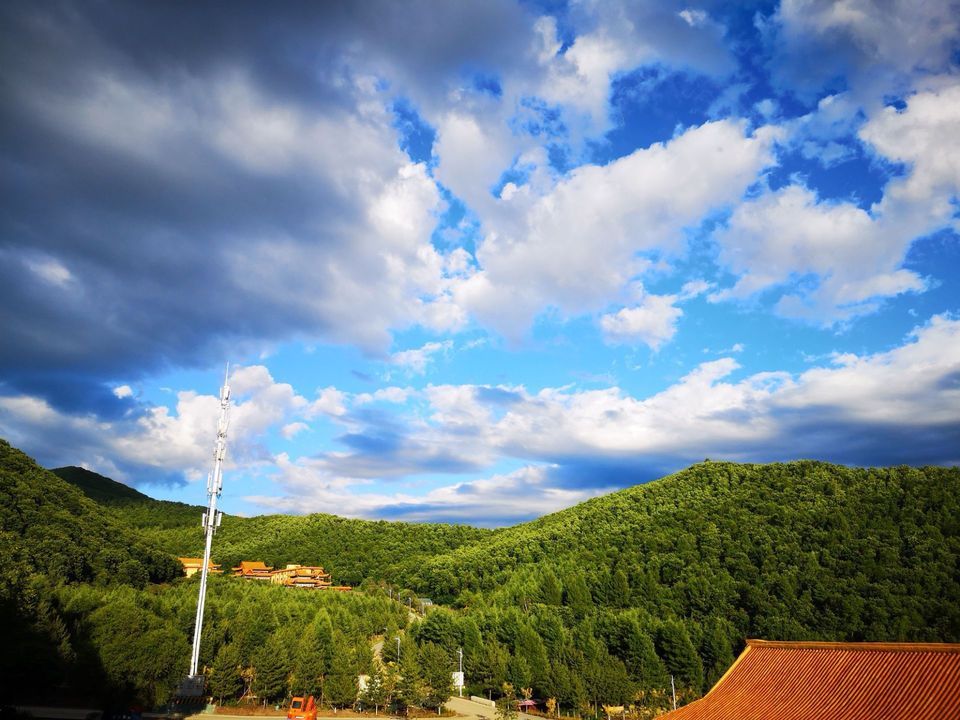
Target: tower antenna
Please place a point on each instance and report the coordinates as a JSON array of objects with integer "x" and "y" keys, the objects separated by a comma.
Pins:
[{"x": 193, "y": 684}]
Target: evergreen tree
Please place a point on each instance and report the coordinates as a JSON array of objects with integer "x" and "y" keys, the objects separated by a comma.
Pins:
[
  {"x": 411, "y": 689},
  {"x": 679, "y": 656},
  {"x": 225, "y": 680},
  {"x": 530, "y": 647},
  {"x": 322, "y": 629},
  {"x": 440, "y": 628},
  {"x": 716, "y": 651},
  {"x": 491, "y": 670},
  {"x": 437, "y": 677},
  {"x": 609, "y": 681},
  {"x": 518, "y": 672},
  {"x": 341, "y": 687},
  {"x": 271, "y": 667},
  {"x": 643, "y": 664},
  {"x": 252, "y": 627},
  {"x": 619, "y": 589},
  {"x": 551, "y": 591},
  {"x": 362, "y": 655},
  {"x": 470, "y": 636},
  {"x": 308, "y": 667},
  {"x": 578, "y": 597}
]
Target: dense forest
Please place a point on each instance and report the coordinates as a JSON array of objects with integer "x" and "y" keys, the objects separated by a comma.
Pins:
[
  {"x": 353, "y": 550},
  {"x": 600, "y": 603}
]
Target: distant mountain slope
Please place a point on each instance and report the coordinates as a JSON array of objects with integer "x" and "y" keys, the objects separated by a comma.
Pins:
[
  {"x": 789, "y": 550},
  {"x": 49, "y": 526},
  {"x": 135, "y": 508},
  {"x": 352, "y": 549},
  {"x": 97, "y": 487},
  {"x": 793, "y": 550}
]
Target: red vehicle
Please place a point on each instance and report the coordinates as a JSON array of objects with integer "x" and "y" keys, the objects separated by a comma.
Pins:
[{"x": 302, "y": 709}]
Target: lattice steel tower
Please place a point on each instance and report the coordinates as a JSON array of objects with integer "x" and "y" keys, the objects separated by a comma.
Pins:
[{"x": 193, "y": 685}]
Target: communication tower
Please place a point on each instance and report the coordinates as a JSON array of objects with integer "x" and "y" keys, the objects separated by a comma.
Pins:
[{"x": 192, "y": 685}]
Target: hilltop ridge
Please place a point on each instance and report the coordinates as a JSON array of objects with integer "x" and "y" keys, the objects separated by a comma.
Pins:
[{"x": 99, "y": 488}]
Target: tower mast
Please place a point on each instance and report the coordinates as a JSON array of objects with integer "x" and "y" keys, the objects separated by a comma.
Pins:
[{"x": 210, "y": 523}]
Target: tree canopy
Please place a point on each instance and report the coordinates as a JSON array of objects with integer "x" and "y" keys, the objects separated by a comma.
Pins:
[{"x": 600, "y": 603}]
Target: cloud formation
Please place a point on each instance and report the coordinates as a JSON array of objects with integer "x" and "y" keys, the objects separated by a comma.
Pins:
[
  {"x": 576, "y": 244},
  {"x": 335, "y": 196},
  {"x": 884, "y": 408}
]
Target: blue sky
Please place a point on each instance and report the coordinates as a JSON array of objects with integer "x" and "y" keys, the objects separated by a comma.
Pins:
[{"x": 477, "y": 261}]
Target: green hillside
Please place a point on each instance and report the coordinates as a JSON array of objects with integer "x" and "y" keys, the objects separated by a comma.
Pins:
[
  {"x": 136, "y": 509},
  {"x": 803, "y": 549},
  {"x": 99, "y": 488},
  {"x": 49, "y": 526},
  {"x": 600, "y": 603},
  {"x": 353, "y": 550},
  {"x": 50, "y": 535},
  {"x": 94, "y": 612}
]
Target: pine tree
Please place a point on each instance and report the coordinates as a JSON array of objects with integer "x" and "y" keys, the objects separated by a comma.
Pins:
[
  {"x": 518, "y": 672},
  {"x": 410, "y": 686},
  {"x": 341, "y": 687},
  {"x": 716, "y": 651},
  {"x": 530, "y": 647},
  {"x": 308, "y": 667},
  {"x": 551, "y": 591},
  {"x": 225, "y": 680},
  {"x": 322, "y": 629},
  {"x": 271, "y": 667},
  {"x": 682, "y": 661},
  {"x": 436, "y": 674},
  {"x": 491, "y": 670},
  {"x": 619, "y": 589},
  {"x": 578, "y": 595},
  {"x": 641, "y": 659}
]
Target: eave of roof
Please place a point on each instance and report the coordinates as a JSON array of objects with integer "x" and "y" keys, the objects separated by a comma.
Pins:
[{"x": 841, "y": 681}]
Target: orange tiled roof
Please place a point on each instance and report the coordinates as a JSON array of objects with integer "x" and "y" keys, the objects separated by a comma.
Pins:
[
  {"x": 839, "y": 681},
  {"x": 252, "y": 566}
]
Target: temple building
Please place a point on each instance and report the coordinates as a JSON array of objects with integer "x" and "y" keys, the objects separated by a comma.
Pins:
[
  {"x": 191, "y": 566},
  {"x": 302, "y": 576},
  {"x": 252, "y": 570},
  {"x": 839, "y": 681}
]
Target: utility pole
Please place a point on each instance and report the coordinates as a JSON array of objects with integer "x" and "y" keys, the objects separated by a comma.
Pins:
[
  {"x": 460, "y": 684},
  {"x": 193, "y": 685}
]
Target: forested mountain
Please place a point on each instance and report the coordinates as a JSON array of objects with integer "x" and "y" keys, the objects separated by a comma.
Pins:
[
  {"x": 50, "y": 527},
  {"x": 789, "y": 550},
  {"x": 598, "y": 603},
  {"x": 98, "y": 488},
  {"x": 353, "y": 550},
  {"x": 51, "y": 534},
  {"x": 136, "y": 509},
  {"x": 672, "y": 576},
  {"x": 92, "y": 609}
]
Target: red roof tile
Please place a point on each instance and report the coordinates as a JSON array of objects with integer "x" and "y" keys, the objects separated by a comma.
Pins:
[{"x": 839, "y": 681}]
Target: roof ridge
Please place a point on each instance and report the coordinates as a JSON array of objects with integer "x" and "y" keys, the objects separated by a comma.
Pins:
[{"x": 868, "y": 646}]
